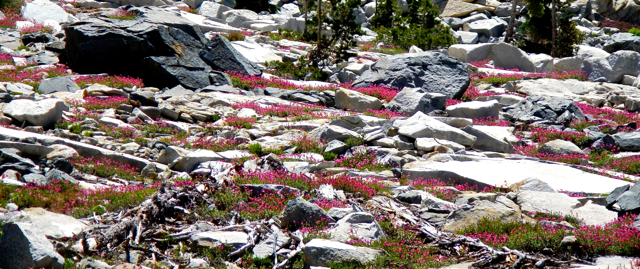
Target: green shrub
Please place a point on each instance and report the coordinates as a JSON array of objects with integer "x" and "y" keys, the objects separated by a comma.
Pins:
[
  {"x": 635, "y": 31},
  {"x": 329, "y": 156},
  {"x": 418, "y": 27},
  {"x": 256, "y": 149}
]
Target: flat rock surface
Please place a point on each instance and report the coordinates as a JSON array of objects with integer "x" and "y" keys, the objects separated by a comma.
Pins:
[{"x": 500, "y": 172}]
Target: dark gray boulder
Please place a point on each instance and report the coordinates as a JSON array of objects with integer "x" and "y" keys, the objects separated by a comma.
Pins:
[
  {"x": 622, "y": 41},
  {"x": 220, "y": 55},
  {"x": 58, "y": 84},
  {"x": 434, "y": 72},
  {"x": 161, "y": 47},
  {"x": 411, "y": 100},
  {"x": 22, "y": 246},
  {"x": 539, "y": 108},
  {"x": 628, "y": 141},
  {"x": 299, "y": 212}
]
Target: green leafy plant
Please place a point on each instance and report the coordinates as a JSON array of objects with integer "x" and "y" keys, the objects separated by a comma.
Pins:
[
  {"x": 418, "y": 27},
  {"x": 256, "y": 149},
  {"x": 635, "y": 31}
]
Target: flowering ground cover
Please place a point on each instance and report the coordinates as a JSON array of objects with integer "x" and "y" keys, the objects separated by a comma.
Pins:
[
  {"x": 119, "y": 82},
  {"x": 68, "y": 198},
  {"x": 362, "y": 160}
]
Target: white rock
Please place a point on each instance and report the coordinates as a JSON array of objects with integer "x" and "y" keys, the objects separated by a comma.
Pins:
[
  {"x": 212, "y": 10},
  {"x": 54, "y": 226},
  {"x": 255, "y": 52},
  {"x": 503, "y": 172},
  {"x": 40, "y": 113},
  {"x": 41, "y": 10},
  {"x": 421, "y": 125},
  {"x": 546, "y": 202}
]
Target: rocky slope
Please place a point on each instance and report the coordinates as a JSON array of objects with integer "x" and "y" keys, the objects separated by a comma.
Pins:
[{"x": 162, "y": 144}]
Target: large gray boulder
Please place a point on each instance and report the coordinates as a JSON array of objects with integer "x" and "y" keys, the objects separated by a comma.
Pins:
[
  {"x": 471, "y": 52},
  {"x": 500, "y": 208},
  {"x": 24, "y": 246},
  {"x": 475, "y": 109},
  {"x": 488, "y": 27},
  {"x": 355, "y": 101},
  {"x": 614, "y": 67},
  {"x": 534, "y": 201},
  {"x": 360, "y": 225},
  {"x": 330, "y": 132},
  {"x": 321, "y": 252},
  {"x": 161, "y": 47},
  {"x": 628, "y": 141},
  {"x": 52, "y": 225},
  {"x": 560, "y": 147},
  {"x": 421, "y": 125},
  {"x": 299, "y": 212},
  {"x": 212, "y": 9},
  {"x": 411, "y": 100},
  {"x": 492, "y": 138},
  {"x": 41, "y": 10},
  {"x": 537, "y": 108},
  {"x": 624, "y": 10},
  {"x": 39, "y": 113},
  {"x": 510, "y": 57},
  {"x": 622, "y": 41},
  {"x": 58, "y": 84},
  {"x": 434, "y": 72}
]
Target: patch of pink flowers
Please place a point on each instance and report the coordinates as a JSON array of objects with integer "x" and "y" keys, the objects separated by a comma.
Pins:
[
  {"x": 119, "y": 82},
  {"x": 452, "y": 102},
  {"x": 382, "y": 92},
  {"x": 383, "y": 113},
  {"x": 490, "y": 122},
  {"x": 37, "y": 28},
  {"x": 94, "y": 103},
  {"x": 532, "y": 151},
  {"x": 252, "y": 82},
  {"x": 306, "y": 111},
  {"x": 610, "y": 114},
  {"x": 543, "y": 135}
]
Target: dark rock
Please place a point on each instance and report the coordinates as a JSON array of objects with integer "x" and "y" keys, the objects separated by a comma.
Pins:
[
  {"x": 411, "y": 100},
  {"x": 63, "y": 165},
  {"x": 259, "y": 189},
  {"x": 275, "y": 92},
  {"x": 613, "y": 196},
  {"x": 36, "y": 38},
  {"x": 434, "y": 72},
  {"x": 538, "y": 108},
  {"x": 336, "y": 146},
  {"x": 35, "y": 178},
  {"x": 221, "y": 55},
  {"x": 628, "y": 141},
  {"x": 56, "y": 46},
  {"x": 58, "y": 84},
  {"x": 412, "y": 197},
  {"x": 5, "y": 97},
  {"x": 151, "y": 111},
  {"x": 622, "y": 41},
  {"x": 145, "y": 98},
  {"x": 300, "y": 212},
  {"x": 161, "y": 47},
  {"x": 24, "y": 247},
  {"x": 219, "y": 78},
  {"x": 629, "y": 201},
  {"x": 59, "y": 175},
  {"x": 221, "y": 88}
]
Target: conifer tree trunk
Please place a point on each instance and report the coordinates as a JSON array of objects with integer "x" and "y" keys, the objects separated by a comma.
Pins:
[
  {"x": 554, "y": 30},
  {"x": 512, "y": 21}
]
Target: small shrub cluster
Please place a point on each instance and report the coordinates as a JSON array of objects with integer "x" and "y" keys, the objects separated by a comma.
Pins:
[
  {"x": 386, "y": 49},
  {"x": 237, "y": 36},
  {"x": 611, "y": 115},
  {"x": 292, "y": 112},
  {"x": 621, "y": 25}
]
